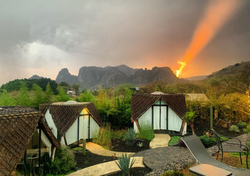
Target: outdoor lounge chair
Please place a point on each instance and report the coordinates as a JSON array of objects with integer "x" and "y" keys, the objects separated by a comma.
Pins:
[
  {"x": 201, "y": 155},
  {"x": 232, "y": 147}
]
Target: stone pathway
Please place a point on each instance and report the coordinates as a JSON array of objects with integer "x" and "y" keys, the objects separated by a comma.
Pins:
[
  {"x": 160, "y": 140},
  {"x": 105, "y": 168},
  {"x": 166, "y": 158},
  {"x": 97, "y": 149}
]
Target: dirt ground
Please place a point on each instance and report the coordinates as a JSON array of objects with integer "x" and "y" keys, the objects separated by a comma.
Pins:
[
  {"x": 90, "y": 159},
  {"x": 121, "y": 146}
]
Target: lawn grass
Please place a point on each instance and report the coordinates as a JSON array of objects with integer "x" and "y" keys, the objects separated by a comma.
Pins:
[{"x": 174, "y": 140}]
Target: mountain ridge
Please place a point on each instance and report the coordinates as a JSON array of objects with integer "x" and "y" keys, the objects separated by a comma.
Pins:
[{"x": 92, "y": 77}]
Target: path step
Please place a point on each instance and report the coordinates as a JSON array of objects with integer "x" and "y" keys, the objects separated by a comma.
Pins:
[
  {"x": 160, "y": 140},
  {"x": 97, "y": 149}
]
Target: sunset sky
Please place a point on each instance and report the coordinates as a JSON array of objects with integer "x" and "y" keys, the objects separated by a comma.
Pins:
[{"x": 42, "y": 37}]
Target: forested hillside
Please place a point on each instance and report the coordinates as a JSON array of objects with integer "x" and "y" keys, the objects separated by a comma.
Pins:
[{"x": 17, "y": 84}]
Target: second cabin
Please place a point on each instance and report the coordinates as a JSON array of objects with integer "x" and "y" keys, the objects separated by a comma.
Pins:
[{"x": 71, "y": 121}]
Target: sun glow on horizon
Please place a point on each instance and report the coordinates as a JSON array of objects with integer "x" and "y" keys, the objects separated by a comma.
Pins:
[{"x": 183, "y": 64}]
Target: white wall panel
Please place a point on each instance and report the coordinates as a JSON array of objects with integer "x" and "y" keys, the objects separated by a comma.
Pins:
[
  {"x": 94, "y": 128},
  {"x": 71, "y": 134},
  {"x": 146, "y": 118},
  {"x": 174, "y": 121},
  {"x": 156, "y": 117},
  {"x": 51, "y": 123},
  {"x": 84, "y": 127},
  {"x": 163, "y": 117},
  {"x": 46, "y": 141}
]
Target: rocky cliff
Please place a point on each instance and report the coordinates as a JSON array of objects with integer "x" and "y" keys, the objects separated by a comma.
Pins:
[
  {"x": 65, "y": 76},
  {"x": 93, "y": 77}
]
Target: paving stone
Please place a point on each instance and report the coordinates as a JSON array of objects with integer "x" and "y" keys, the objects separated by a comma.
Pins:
[
  {"x": 160, "y": 140},
  {"x": 97, "y": 149}
]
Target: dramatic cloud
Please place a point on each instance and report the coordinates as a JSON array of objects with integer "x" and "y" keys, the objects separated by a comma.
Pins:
[{"x": 42, "y": 37}]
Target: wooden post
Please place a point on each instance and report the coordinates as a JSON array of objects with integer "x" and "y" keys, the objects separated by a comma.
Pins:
[
  {"x": 153, "y": 117},
  {"x": 25, "y": 162},
  {"x": 84, "y": 147},
  {"x": 211, "y": 117},
  {"x": 40, "y": 138},
  {"x": 53, "y": 153},
  {"x": 89, "y": 127},
  {"x": 78, "y": 131},
  {"x": 137, "y": 124},
  {"x": 65, "y": 139},
  {"x": 182, "y": 127}
]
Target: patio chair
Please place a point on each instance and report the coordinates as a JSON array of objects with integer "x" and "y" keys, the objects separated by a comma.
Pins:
[
  {"x": 201, "y": 155},
  {"x": 230, "y": 147}
]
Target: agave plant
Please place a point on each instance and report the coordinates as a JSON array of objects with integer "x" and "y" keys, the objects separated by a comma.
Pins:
[
  {"x": 130, "y": 136},
  {"x": 124, "y": 164}
]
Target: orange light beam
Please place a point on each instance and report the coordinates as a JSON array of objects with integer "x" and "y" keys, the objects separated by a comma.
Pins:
[{"x": 215, "y": 16}]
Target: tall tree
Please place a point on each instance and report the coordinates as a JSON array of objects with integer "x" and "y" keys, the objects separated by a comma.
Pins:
[
  {"x": 23, "y": 97},
  {"x": 76, "y": 87},
  {"x": 62, "y": 95},
  {"x": 5, "y": 99},
  {"x": 64, "y": 84},
  {"x": 86, "y": 96},
  {"x": 48, "y": 94},
  {"x": 39, "y": 96}
]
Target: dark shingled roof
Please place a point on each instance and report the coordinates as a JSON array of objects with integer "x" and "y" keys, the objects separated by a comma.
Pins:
[
  {"x": 142, "y": 102},
  {"x": 64, "y": 115},
  {"x": 17, "y": 126}
]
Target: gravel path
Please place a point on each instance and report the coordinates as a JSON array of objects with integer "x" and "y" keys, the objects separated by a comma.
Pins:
[
  {"x": 166, "y": 158},
  {"x": 173, "y": 157}
]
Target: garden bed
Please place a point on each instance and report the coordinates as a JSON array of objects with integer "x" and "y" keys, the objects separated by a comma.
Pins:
[
  {"x": 89, "y": 159},
  {"x": 133, "y": 172},
  {"x": 119, "y": 145},
  {"x": 203, "y": 126}
]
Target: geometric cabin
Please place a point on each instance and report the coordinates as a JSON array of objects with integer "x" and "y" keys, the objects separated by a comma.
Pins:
[
  {"x": 71, "y": 121},
  {"x": 162, "y": 111},
  {"x": 19, "y": 134}
]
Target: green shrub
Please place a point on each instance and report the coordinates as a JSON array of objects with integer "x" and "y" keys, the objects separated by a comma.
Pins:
[
  {"x": 62, "y": 95},
  {"x": 63, "y": 163},
  {"x": 234, "y": 128},
  {"x": 248, "y": 144},
  {"x": 146, "y": 132},
  {"x": 77, "y": 149},
  {"x": 118, "y": 134},
  {"x": 104, "y": 137},
  {"x": 247, "y": 129},
  {"x": 241, "y": 124},
  {"x": 207, "y": 141},
  {"x": 130, "y": 136},
  {"x": 172, "y": 173},
  {"x": 124, "y": 164}
]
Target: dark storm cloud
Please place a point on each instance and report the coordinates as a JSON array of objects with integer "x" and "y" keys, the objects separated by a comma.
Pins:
[{"x": 41, "y": 37}]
